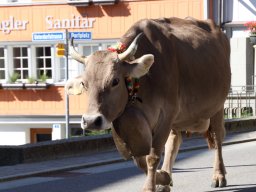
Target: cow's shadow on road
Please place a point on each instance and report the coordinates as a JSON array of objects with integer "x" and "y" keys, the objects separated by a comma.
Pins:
[
  {"x": 229, "y": 188},
  {"x": 237, "y": 188}
]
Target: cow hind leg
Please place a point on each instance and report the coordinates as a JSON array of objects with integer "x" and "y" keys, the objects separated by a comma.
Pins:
[{"x": 215, "y": 136}]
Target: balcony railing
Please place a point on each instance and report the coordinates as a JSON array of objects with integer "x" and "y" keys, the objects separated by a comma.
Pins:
[{"x": 241, "y": 102}]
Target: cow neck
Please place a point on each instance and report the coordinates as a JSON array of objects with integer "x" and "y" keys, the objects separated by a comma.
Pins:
[{"x": 132, "y": 84}]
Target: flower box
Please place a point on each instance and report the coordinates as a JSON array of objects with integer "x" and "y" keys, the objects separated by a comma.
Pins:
[
  {"x": 28, "y": 86},
  {"x": 253, "y": 39},
  {"x": 12, "y": 86},
  {"x": 37, "y": 86}
]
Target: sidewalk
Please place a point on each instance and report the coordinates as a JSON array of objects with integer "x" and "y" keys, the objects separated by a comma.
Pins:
[{"x": 95, "y": 159}]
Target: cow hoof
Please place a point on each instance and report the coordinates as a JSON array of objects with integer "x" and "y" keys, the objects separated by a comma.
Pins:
[
  {"x": 163, "y": 178},
  {"x": 163, "y": 188},
  {"x": 219, "y": 183}
]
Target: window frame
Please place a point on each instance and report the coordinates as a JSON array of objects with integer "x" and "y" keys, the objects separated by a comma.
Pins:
[
  {"x": 57, "y": 74},
  {"x": 21, "y": 58},
  {"x": 5, "y": 64},
  {"x": 35, "y": 71}
]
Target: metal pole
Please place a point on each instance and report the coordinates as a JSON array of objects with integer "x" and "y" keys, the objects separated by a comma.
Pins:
[
  {"x": 66, "y": 78},
  {"x": 219, "y": 8},
  {"x": 253, "y": 83}
]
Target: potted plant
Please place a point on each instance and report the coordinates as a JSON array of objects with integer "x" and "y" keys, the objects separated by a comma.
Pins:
[
  {"x": 251, "y": 26},
  {"x": 33, "y": 83},
  {"x": 31, "y": 80},
  {"x": 14, "y": 77},
  {"x": 12, "y": 83},
  {"x": 43, "y": 78}
]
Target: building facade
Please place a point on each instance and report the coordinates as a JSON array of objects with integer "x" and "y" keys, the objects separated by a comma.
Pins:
[{"x": 29, "y": 32}]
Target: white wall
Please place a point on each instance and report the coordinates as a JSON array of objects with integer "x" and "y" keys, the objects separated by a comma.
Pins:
[
  {"x": 236, "y": 13},
  {"x": 13, "y": 134},
  {"x": 241, "y": 60}
]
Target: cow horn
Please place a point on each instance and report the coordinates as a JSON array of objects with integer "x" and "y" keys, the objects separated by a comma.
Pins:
[
  {"x": 131, "y": 49},
  {"x": 74, "y": 54}
]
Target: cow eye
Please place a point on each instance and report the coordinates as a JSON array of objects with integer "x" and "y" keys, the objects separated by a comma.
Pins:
[
  {"x": 115, "y": 82},
  {"x": 84, "y": 86}
]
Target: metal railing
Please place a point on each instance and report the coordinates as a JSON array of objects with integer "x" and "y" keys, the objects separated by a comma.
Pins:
[{"x": 241, "y": 102}]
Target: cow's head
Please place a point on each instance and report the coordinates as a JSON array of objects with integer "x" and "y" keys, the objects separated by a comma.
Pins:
[{"x": 104, "y": 82}]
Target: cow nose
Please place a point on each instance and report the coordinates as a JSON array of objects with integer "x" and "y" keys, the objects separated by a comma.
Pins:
[
  {"x": 92, "y": 121},
  {"x": 98, "y": 121}
]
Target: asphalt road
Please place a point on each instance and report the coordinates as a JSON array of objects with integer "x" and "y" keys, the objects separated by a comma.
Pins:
[{"x": 192, "y": 173}]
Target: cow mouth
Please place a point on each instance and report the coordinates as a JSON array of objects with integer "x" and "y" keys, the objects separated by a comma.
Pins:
[{"x": 95, "y": 122}]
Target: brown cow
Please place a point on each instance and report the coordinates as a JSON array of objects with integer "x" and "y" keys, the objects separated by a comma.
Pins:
[{"x": 184, "y": 72}]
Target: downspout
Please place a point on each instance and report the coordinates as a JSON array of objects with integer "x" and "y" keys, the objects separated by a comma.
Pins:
[
  {"x": 206, "y": 9},
  {"x": 220, "y": 13}
]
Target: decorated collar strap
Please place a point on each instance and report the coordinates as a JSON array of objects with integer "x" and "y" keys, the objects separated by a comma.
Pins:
[
  {"x": 118, "y": 47},
  {"x": 133, "y": 86}
]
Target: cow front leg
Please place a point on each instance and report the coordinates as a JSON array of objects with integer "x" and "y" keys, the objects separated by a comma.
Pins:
[
  {"x": 152, "y": 161},
  {"x": 163, "y": 179},
  {"x": 171, "y": 150},
  {"x": 217, "y": 134}
]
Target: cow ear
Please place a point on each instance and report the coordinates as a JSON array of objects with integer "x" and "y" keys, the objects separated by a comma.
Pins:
[
  {"x": 141, "y": 65},
  {"x": 75, "y": 86}
]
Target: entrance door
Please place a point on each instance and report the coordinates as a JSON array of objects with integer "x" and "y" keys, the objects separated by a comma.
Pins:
[{"x": 40, "y": 134}]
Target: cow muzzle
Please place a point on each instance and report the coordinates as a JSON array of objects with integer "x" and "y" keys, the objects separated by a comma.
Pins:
[{"x": 95, "y": 122}]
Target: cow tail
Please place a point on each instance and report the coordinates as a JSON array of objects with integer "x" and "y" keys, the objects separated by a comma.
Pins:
[{"x": 210, "y": 137}]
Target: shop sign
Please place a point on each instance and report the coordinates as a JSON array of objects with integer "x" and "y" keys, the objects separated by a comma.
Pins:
[
  {"x": 80, "y": 35},
  {"x": 45, "y": 36},
  {"x": 75, "y": 22},
  {"x": 12, "y": 24}
]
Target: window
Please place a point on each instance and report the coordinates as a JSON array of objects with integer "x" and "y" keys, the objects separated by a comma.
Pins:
[
  {"x": 75, "y": 68},
  {"x": 2, "y": 64},
  {"x": 44, "y": 62},
  {"x": 39, "y": 61},
  {"x": 62, "y": 68},
  {"x": 20, "y": 62},
  {"x": 88, "y": 49}
]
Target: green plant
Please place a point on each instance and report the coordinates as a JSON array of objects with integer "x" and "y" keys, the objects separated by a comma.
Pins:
[
  {"x": 43, "y": 77},
  {"x": 95, "y": 132},
  {"x": 13, "y": 78},
  {"x": 31, "y": 80}
]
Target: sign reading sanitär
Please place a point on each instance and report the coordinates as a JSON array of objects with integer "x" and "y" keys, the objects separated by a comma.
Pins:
[
  {"x": 51, "y": 23},
  {"x": 74, "y": 22}
]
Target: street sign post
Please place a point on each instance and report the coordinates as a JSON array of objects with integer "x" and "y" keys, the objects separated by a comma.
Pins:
[
  {"x": 47, "y": 36},
  {"x": 62, "y": 50},
  {"x": 66, "y": 79},
  {"x": 80, "y": 35}
]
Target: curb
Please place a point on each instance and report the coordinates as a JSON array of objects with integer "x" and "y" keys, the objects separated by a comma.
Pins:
[
  {"x": 64, "y": 168},
  {"x": 187, "y": 149},
  {"x": 49, "y": 150},
  {"x": 107, "y": 162}
]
